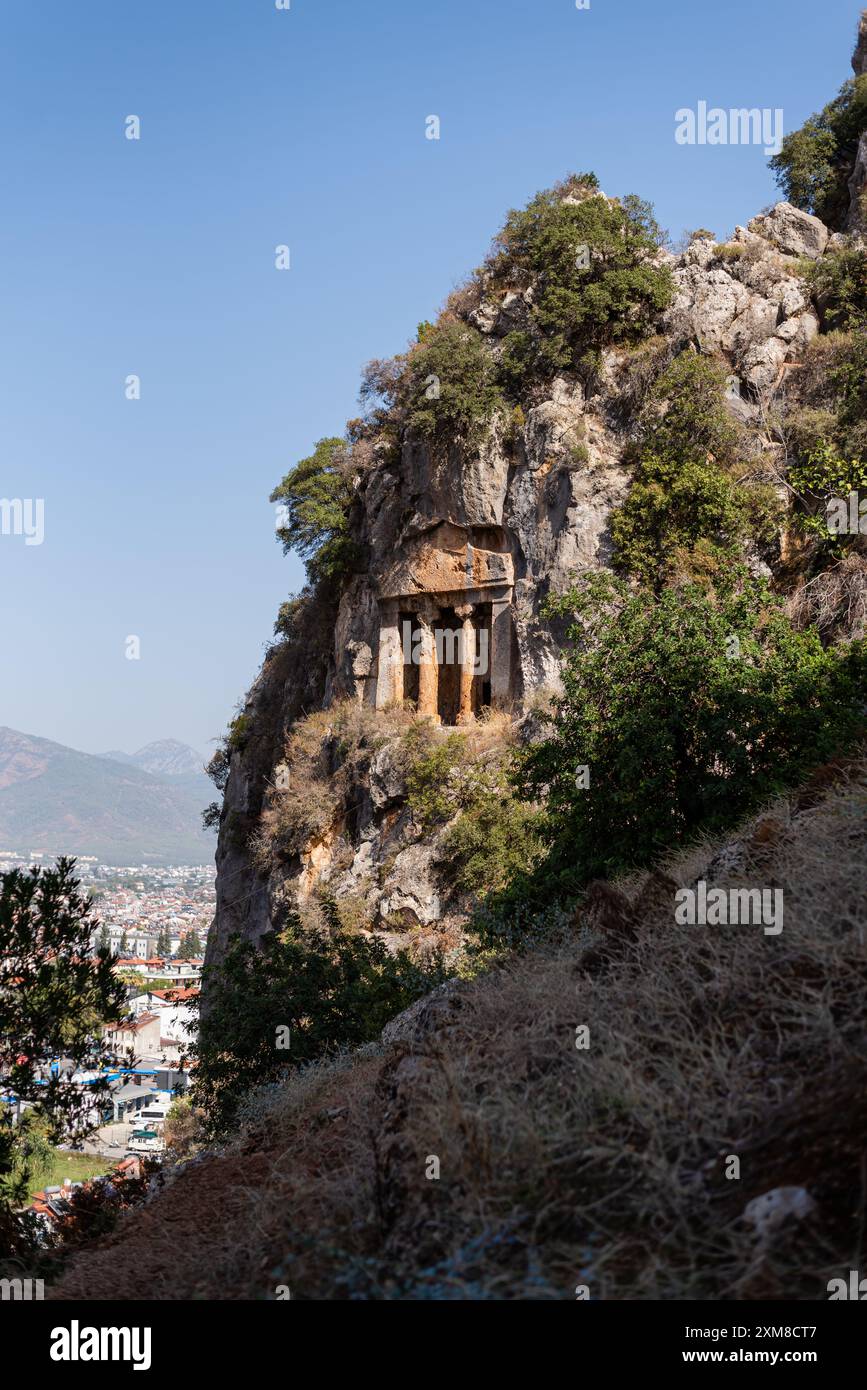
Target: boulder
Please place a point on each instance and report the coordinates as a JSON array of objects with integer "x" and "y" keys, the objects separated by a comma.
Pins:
[
  {"x": 431, "y": 1014},
  {"x": 756, "y": 322},
  {"x": 710, "y": 300},
  {"x": 553, "y": 426},
  {"x": 386, "y": 778},
  {"x": 794, "y": 232},
  {"x": 410, "y": 886},
  {"x": 762, "y": 363}
]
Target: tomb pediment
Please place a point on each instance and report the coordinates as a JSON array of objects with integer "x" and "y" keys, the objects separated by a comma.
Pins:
[{"x": 447, "y": 560}]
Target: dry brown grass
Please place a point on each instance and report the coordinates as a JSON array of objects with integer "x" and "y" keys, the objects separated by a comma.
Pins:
[
  {"x": 326, "y": 758},
  {"x": 834, "y": 600},
  {"x": 561, "y": 1167},
  {"x": 324, "y": 754}
]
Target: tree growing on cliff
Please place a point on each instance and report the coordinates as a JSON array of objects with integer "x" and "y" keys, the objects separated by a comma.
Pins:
[
  {"x": 685, "y": 511},
  {"x": 315, "y": 497},
  {"x": 815, "y": 162},
  {"x": 591, "y": 262},
  {"x": 685, "y": 709}
]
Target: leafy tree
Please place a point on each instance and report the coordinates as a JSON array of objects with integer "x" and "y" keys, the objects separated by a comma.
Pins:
[
  {"x": 821, "y": 477},
  {"x": 451, "y": 392},
  {"x": 848, "y": 378},
  {"x": 183, "y": 1128},
  {"x": 684, "y": 510},
  {"x": 839, "y": 283},
  {"x": 815, "y": 162},
  {"x": 54, "y": 998},
  {"x": 316, "y": 495},
  {"x": 191, "y": 946},
  {"x": 329, "y": 992},
  {"x": 688, "y": 708},
  {"x": 493, "y": 840},
  {"x": 595, "y": 282},
  {"x": 164, "y": 942},
  {"x": 123, "y": 948}
]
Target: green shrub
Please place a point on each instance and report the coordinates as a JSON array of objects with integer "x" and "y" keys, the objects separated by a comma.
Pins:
[
  {"x": 682, "y": 728},
  {"x": 317, "y": 495},
  {"x": 824, "y": 474},
  {"x": 686, "y": 418},
  {"x": 239, "y": 732},
  {"x": 848, "y": 378},
  {"x": 839, "y": 283},
  {"x": 493, "y": 834},
  {"x": 451, "y": 393},
  {"x": 815, "y": 162},
  {"x": 683, "y": 506},
  {"x": 430, "y": 797},
  {"x": 821, "y": 476},
  {"x": 578, "y": 309},
  {"x": 807, "y": 428},
  {"x": 330, "y": 991},
  {"x": 638, "y": 373},
  {"x": 494, "y": 840},
  {"x": 730, "y": 251},
  {"x": 517, "y": 421}
]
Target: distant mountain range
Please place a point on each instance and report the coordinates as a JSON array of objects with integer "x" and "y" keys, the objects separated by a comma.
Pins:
[
  {"x": 165, "y": 758},
  {"x": 125, "y": 808}
]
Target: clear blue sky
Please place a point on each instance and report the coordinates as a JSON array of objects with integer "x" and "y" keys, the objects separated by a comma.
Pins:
[{"x": 156, "y": 257}]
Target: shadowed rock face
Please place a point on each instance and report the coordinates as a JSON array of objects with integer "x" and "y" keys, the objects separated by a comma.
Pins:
[
  {"x": 857, "y": 219},
  {"x": 859, "y": 57}
]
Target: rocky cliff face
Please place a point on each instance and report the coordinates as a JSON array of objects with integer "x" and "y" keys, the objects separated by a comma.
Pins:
[
  {"x": 477, "y": 540},
  {"x": 530, "y": 510},
  {"x": 857, "y": 218}
]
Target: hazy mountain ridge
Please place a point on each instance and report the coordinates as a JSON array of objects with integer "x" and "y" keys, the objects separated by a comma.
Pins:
[
  {"x": 165, "y": 757},
  {"x": 60, "y": 801}
]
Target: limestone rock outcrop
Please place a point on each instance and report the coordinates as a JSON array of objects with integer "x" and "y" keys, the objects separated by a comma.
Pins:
[{"x": 466, "y": 545}]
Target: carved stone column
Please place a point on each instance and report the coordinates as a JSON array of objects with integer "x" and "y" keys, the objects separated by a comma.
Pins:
[
  {"x": 501, "y": 652},
  {"x": 468, "y": 662},
  {"x": 428, "y": 671},
  {"x": 389, "y": 670}
]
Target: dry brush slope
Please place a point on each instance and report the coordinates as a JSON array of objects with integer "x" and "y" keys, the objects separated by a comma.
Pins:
[{"x": 560, "y": 1166}]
